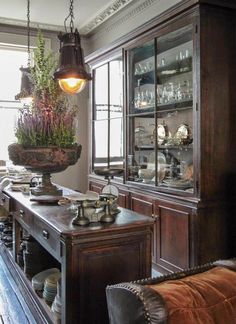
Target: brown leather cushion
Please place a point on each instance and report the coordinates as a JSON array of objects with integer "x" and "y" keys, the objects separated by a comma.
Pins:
[{"x": 204, "y": 298}]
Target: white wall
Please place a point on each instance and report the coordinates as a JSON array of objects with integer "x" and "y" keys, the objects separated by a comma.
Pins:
[{"x": 75, "y": 177}]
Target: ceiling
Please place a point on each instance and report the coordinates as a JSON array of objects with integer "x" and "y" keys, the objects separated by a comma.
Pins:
[{"x": 50, "y": 14}]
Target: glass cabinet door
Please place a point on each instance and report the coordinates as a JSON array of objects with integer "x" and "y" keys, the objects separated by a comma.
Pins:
[
  {"x": 160, "y": 112},
  {"x": 141, "y": 112},
  {"x": 108, "y": 115},
  {"x": 100, "y": 117},
  {"x": 116, "y": 155},
  {"x": 174, "y": 130}
]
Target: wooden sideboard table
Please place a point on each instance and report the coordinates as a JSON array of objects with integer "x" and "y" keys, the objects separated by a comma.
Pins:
[{"x": 90, "y": 257}]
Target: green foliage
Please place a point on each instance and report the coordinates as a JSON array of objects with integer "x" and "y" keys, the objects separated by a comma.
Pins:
[{"x": 50, "y": 118}]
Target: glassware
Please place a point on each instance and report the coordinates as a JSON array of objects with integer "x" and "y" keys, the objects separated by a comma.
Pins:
[{"x": 159, "y": 94}]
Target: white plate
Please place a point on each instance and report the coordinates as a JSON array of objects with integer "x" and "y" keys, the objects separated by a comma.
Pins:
[
  {"x": 178, "y": 184},
  {"x": 162, "y": 133}
]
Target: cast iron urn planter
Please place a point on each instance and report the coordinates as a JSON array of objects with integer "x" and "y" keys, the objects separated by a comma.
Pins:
[{"x": 44, "y": 160}]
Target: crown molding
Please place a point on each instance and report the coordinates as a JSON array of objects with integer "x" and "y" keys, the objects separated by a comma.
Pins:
[
  {"x": 33, "y": 25},
  {"x": 111, "y": 10},
  {"x": 136, "y": 11}
]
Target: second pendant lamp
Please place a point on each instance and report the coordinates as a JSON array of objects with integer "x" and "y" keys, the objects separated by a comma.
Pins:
[
  {"x": 26, "y": 91},
  {"x": 71, "y": 74}
]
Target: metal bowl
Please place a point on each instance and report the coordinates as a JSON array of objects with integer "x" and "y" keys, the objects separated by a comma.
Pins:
[{"x": 105, "y": 172}]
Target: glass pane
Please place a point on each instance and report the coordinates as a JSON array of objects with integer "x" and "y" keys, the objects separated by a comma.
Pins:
[
  {"x": 141, "y": 79},
  {"x": 175, "y": 110},
  {"x": 116, "y": 88},
  {"x": 116, "y": 142},
  {"x": 8, "y": 118},
  {"x": 100, "y": 143},
  {"x": 101, "y": 92},
  {"x": 10, "y": 63},
  {"x": 141, "y": 154}
]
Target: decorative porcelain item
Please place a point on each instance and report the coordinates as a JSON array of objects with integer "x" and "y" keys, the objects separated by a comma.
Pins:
[{"x": 146, "y": 174}]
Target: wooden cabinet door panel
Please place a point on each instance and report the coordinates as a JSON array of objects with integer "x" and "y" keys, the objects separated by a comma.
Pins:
[
  {"x": 172, "y": 239},
  {"x": 113, "y": 261},
  {"x": 123, "y": 199},
  {"x": 145, "y": 205},
  {"x": 95, "y": 187},
  {"x": 142, "y": 204}
]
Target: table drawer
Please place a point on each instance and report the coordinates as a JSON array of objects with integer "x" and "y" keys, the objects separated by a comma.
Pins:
[
  {"x": 5, "y": 201},
  {"x": 47, "y": 237},
  {"x": 24, "y": 217}
]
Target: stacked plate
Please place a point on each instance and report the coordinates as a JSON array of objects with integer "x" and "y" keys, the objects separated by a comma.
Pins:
[
  {"x": 39, "y": 279},
  {"x": 6, "y": 233},
  {"x": 56, "y": 305},
  {"x": 50, "y": 287}
]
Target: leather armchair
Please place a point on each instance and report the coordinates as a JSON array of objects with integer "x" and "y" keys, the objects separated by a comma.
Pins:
[{"x": 201, "y": 295}]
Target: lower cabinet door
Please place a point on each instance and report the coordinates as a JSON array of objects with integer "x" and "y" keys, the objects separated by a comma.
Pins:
[
  {"x": 123, "y": 199},
  {"x": 145, "y": 205},
  {"x": 97, "y": 187},
  {"x": 172, "y": 236}
]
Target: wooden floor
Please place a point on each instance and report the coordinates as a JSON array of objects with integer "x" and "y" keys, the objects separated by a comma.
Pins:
[{"x": 13, "y": 309}]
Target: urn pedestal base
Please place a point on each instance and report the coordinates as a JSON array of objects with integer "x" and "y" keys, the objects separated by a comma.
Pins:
[
  {"x": 45, "y": 160},
  {"x": 46, "y": 187}
]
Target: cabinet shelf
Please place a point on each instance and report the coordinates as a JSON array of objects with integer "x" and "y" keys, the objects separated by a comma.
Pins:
[
  {"x": 167, "y": 107},
  {"x": 175, "y": 147},
  {"x": 175, "y": 68},
  {"x": 177, "y": 105},
  {"x": 147, "y": 147}
]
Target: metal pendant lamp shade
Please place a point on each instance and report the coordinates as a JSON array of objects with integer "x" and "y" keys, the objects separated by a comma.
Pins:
[
  {"x": 71, "y": 74},
  {"x": 26, "y": 90}
]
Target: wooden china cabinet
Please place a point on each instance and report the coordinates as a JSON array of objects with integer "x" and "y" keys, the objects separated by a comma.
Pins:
[{"x": 174, "y": 133}]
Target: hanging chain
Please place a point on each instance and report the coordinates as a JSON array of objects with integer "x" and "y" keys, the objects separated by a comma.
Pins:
[
  {"x": 71, "y": 15},
  {"x": 28, "y": 31}
]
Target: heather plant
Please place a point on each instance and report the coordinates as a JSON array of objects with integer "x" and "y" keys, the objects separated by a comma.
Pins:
[{"x": 49, "y": 120}]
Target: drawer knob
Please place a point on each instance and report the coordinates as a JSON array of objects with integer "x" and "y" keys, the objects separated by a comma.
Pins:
[
  {"x": 3, "y": 199},
  {"x": 22, "y": 212},
  {"x": 45, "y": 234},
  {"x": 155, "y": 217}
]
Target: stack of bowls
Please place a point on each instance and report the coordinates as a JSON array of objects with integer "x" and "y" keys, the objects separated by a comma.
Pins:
[
  {"x": 6, "y": 233},
  {"x": 50, "y": 287},
  {"x": 39, "y": 279}
]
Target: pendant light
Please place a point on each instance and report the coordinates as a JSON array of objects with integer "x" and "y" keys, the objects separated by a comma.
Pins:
[
  {"x": 71, "y": 74},
  {"x": 26, "y": 91}
]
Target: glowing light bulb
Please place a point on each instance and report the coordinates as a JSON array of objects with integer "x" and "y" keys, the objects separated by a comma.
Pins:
[
  {"x": 72, "y": 85},
  {"x": 26, "y": 101}
]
